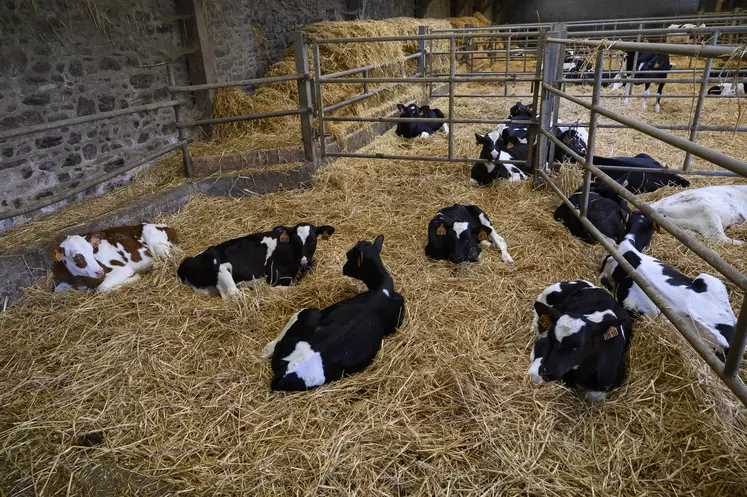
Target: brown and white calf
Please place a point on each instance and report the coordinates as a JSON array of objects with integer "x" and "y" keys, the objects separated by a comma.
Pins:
[{"x": 109, "y": 258}]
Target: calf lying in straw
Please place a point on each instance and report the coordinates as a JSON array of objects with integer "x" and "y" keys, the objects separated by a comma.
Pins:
[
  {"x": 320, "y": 346},
  {"x": 582, "y": 336},
  {"x": 109, "y": 258}
]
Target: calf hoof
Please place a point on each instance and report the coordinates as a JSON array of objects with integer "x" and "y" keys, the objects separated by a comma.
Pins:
[
  {"x": 507, "y": 257},
  {"x": 445, "y": 128},
  {"x": 594, "y": 397},
  {"x": 424, "y": 135},
  {"x": 657, "y": 108}
]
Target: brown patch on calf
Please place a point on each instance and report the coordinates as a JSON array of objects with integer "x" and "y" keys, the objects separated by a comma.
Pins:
[
  {"x": 170, "y": 233},
  {"x": 61, "y": 274},
  {"x": 80, "y": 260},
  {"x": 126, "y": 236},
  {"x": 116, "y": 263}
]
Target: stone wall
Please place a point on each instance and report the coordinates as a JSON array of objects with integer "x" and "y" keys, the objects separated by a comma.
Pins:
[
  {"x": 59, "y": 59},
  {"x": 66, "y": 58}
]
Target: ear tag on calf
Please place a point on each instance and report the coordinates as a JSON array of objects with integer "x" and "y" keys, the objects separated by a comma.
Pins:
[
  {"x": 481, "y": 235},
  {"x": 325, "y": 236},
  {"x": 611, "y": 333},
  {"x": 58, "y": 255},
  {"x": 360, "y": 259},
  {"x": 441, "y": 231},
  {"x": 509, "y": 145},
  {"x": 544, "y": 322},
  {"x": 95, "y": 241},
  {"x": 284, "y": 238}
]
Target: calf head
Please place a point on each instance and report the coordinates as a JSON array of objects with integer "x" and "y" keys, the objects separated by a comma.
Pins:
[
  {"x": 364, "y": 262},
  {"x": 640, "y": 230},
  {"x": 76, "y": 253},
  {"x": 573, "y": 140},
  {"x": 519, "y": 109},
  {"x": 302, "y": 240},
  {"x": 575, "y": 338},
  {"x": 456, "y": 242},
  {"x": 412, "y": 110},
  {"x": 495, "y": 142}
]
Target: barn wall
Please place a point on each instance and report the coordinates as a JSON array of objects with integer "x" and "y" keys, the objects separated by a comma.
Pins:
[
  {"x": 68, "y": 58},
  {"x": 576, "y": 10},
  {"x": 57, "y": 62}
]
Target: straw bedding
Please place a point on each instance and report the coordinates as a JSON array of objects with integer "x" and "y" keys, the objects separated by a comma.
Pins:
[{"x": 171, "y": 388}]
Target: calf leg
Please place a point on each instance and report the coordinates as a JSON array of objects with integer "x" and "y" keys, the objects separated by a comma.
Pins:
[
  {"x": 117, "y": 277},
  {"x": 659, "y": 91},
  {"x": 226, "y": 286},
  {"x": 628, "y": 91},
  {"x": 646, "y": 93}
]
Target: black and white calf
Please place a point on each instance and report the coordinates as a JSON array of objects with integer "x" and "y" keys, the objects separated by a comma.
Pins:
[
  {"x": 320, "y": 346},
  {"x": 640, "y": 181},
  {"x": 456, "y": 234},
  {"x": 419, "y": 130},
  {"x": 499, "y": 146},
  {"x": 703, "y": 300},
  {"x": 582, "y": 336},
  {"x": 573, "y": 137},
  {"x": 728, "y": 89},
  {"x": 649, "y": 61},
  {"x": 608, "y": 212},
  {"x": 280, "y": 257},
  {"x": 707, "y": 211}
]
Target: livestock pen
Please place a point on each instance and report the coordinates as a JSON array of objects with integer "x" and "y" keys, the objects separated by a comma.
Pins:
[{"x": 154, "y": 390}]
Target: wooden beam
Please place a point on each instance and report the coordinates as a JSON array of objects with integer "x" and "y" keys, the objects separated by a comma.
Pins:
[{"x": 201, "y": 61}]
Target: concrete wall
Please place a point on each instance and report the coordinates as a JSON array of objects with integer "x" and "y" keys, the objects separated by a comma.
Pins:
[
  {"x": 59, "y": 60},
  {"x": 67, "y": 58},
  {"x": 577, "y": 10}
]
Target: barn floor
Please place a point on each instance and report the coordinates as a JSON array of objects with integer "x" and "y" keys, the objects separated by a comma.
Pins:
[{"x": 164, "y": 391}]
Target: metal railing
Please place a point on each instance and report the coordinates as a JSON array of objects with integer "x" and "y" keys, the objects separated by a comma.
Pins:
[{"x": 550, "y": 102}]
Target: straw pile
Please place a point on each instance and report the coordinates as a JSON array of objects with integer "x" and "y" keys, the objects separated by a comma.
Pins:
[
  {"x": 273, "y": 132},
  {"x": 157, "y": 386}
]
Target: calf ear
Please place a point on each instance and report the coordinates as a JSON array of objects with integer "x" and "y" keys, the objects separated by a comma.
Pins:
[
  {"x": 610, "y": 353},
  {"x": 325, "y": 231},
  {"x": 547, "y": 315},
  {"x": 58, "y": 253},
  {"x": 424, "y": 109},
  {"x": 479, "y": 138},
  {"x": 95, "y": 239},
  {"x": 482, "y": 232},
  {"x": 379, "y": 243},
  {"x": 401, "y": 107}
]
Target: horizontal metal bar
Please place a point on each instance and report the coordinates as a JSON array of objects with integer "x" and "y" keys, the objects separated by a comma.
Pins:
[
  {"x": 357, "y": 98},
  {"x": 659, "y": 31},
  {"x": 86, "y": 119},
  {"x": 233, "y": 84},
  {"x": 679, "y": 322},
  {"x": 357, "y": 70},
  {"x": 233, "y": 119},
  {"x": 670, "y": 48},
  {"x": 90, "y": 183},
  {"x": 706, "y": 153},
  {"x": 423, "y": 158},
  {"x": 708, "y": 255},
  {"x": 633, "y": 80},
  {"x": 676, "y": 127},
  {"x": 691, "y": 172},
  {"x": 428, "y": 79},
  {"x": 376, "y": 39},
  {"x": 384, "y": 119},
  {"x": 666, "y": 95}
]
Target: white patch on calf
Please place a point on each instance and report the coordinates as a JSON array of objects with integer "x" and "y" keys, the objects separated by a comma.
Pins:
[
  {"x": 424, "y": 134},
  {"x": 474, "y": 182},
  {"x": 157, "y": 240},
  {"x": 505, "y": 156},
  {"x": 271, "y": 244},
  {"x": 459, "y": 227},
  {"x": 307, "y": 365},
  {"x": 567, "y": 326},
  {"x": 77, "y": 245},
  {"x": 497, "y": 132},
  {"x": 495, "y": 238},
  {"x": 445, "y": 128},
  {"x": 303, "y": 233},
  {"x": 226, "y": 286},
  {"x": 598, "y": 316},
  {"x": 270, "y": 347},
  {"x": 490, "y": 166},
  {"x": 117, "y": 277},
  {"x": 386, "y": 292}
]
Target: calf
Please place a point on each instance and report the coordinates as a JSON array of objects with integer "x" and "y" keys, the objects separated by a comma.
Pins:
[
  {"x": 109, "y": 258},
  {"x": 728, "y": 89},
  {"x": 707, "y": 211},
  {"x": 574, "y": 138},
  {"x": 456, "y": 234},
  {"x": 421, "y": 130},
  {"x": 280, "y": 257},
  {"x": 640, "y": 181},
  {"x": 648, "y": 61},
  {"x": 704, "y": 300},
  {"x": 607, "y": 211},
  {"x": 686, "y": 38},
  {"x": 320, "y": 346},
  {"x": 496, "y": 147},
  {"x": 582, "y": 336}
]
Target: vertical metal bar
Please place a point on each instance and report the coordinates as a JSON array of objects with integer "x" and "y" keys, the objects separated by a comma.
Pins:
[
  {"x": 699, "y": 106},
  {"x": 558, "y": 72},
  {"x": 452, "y": 90},
  {"x": 545, "y": 58},
  {"x": 508, "y": 61},
  {"x": 319, "y": 101},
  {"x": 629, "y": 86},
  {"x": 738, "y": 343},
  {"x": 470, "y": 46},
  {"x": 301, "y": 54},
  {"x": 531, "y": 138},
  {"x": 365, "y": 83},
  {"x": 430, "y": 57},
  {"x": 182, "y": 133},
  {"x": 526, "y": 50},
  {"x": 422, "y": 62},
  {"x": 598, "y": 70}
]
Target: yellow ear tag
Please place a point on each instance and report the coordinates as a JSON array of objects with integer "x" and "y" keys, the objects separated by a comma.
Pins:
[
  {"x": 509, "y": 145},
  {"x": 611, "y": 333},
  {"x": 481, "y": 236},
  {"x": 58, "y": 256},
  {"x": 95, "y": 241},
  {"x": 360, "y": 259},
  {"x": 325, "y": 236},
  {"x": 545, "y": 322},
  {"x": 441, "y": 231},
  {"x": 420, "y": 113},
  {"x": 284, "y": 237}
]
